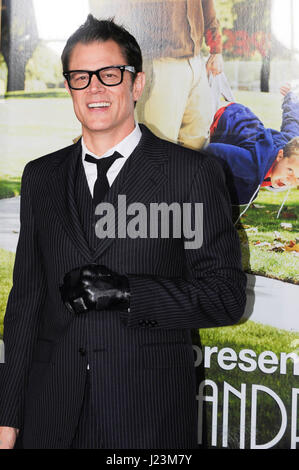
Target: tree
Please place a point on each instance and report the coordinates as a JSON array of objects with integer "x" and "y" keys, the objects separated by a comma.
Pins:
[
  {"x": 247, "y": 27},
  {"x": 254, "y": 17},
  {"x": 19, "y": 39}
]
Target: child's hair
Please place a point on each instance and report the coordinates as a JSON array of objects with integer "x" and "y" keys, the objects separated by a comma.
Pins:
[{"x": 291, "y": 148}]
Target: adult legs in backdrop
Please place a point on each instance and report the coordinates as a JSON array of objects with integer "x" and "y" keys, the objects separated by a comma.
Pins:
[{"x": 177, "y": 104}]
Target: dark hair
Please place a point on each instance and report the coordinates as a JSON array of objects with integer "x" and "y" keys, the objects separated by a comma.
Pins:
[
  {"x": 291, "y": 148},
  {"x": 104, "y": 30}
]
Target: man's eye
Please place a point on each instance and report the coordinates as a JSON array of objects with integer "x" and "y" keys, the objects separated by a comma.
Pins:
[
  {"x": 290, "y": 170},
  {"x": 110, "y": 75},
  {"x": 79, "y": 77}
]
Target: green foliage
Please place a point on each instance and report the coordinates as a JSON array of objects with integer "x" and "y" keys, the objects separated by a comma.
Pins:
[
  {"x": 45, "y": 67},
  {"x": 258, "y": 338},
  {"x": 245, "y": 25},
  {"x": 263, "y": 230},
  {"x": 9, "y": 187},
  {"x": 224, "y": 10},
  {"x": 6, "y": 268}
]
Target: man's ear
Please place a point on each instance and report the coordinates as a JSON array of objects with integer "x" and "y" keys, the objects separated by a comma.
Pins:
[
  {"x": 138, "y": 85},
  {"x": 66, "y": 85},
  {"x": 279, "y": 156}
]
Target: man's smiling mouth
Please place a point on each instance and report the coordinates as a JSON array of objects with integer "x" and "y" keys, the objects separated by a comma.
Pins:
[{"x": 102, "y": 104}]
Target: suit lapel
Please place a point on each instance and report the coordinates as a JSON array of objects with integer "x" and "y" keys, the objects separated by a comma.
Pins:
[
  {"x": 140, "y": 178},
  {"x": 61, "y": 188}
]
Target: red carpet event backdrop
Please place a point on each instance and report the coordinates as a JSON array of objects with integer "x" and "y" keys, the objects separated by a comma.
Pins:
[{"x": 249, "y": 393}]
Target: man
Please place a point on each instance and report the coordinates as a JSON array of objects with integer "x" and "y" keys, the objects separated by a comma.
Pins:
[
  {"x": 254, "y": 156},
  {"x": 171, "y": 35},
  {"x": 97, "y": 331}
]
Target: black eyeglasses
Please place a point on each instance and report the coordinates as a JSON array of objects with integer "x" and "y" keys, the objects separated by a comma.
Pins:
[{"x": 109, "y": 76}]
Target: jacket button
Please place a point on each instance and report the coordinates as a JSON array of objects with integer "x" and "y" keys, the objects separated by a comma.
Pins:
[
  {"x": 82, "y": 351},
  {"x": 148, "y": 323}
]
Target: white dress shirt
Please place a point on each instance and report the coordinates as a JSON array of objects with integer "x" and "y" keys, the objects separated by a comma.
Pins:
[{"x": 125, "y": 148}]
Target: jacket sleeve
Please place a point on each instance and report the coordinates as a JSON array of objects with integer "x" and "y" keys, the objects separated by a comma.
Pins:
[
  {"x": 22, "y": 314},
  {"x": 211, "y": 27},
  {"x": 214, "y": 295},
  {"x": 290, "y": 116}
]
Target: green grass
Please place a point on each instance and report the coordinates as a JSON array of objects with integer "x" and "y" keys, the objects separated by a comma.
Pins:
[
  {"x": 258, "y": 338},
  {"x": 250, "y": 335},
  {"x": 6, "y": 268},
  {"x": 262, "y": 223},
  {"x": 9, "y": 187},
  {"x": 53, "y": 93}
]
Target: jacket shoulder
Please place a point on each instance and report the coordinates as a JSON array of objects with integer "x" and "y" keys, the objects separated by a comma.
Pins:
[
  {"x": 39, "y": 169},
  {"x": 192, "y": 160},
  {"x": 177, "y": 155}
]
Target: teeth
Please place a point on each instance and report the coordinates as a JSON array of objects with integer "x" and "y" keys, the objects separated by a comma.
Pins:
[{"x": 99, "y": 105}]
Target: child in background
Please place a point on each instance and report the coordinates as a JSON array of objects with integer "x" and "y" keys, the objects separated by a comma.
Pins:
[{"x": 252, "y": 155}]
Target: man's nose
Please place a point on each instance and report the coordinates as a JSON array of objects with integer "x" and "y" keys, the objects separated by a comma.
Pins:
[{"x": 96, "y": 85}]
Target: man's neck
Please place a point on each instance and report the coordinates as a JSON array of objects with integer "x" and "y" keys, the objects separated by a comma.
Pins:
[{"x": 99, "y": 142}]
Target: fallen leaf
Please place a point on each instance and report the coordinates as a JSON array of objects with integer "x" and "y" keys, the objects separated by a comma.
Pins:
[
  {"x": 288, "y": 215},
  {"x": 292, "y": 247}
]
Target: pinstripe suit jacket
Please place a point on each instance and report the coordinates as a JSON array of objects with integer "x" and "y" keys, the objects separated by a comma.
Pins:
[{"x": 142, "y": 369}]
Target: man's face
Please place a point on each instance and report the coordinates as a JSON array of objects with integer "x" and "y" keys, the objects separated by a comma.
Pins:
[
  {"x": 116, "y": 116},
  {"x": 285, "y": 171}
]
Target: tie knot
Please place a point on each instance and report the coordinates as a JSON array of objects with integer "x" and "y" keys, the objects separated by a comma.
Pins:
[{"x": 103, "y": 164}]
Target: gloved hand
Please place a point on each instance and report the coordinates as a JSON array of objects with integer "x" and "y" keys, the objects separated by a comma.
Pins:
[{"x": 95, "y": 287}]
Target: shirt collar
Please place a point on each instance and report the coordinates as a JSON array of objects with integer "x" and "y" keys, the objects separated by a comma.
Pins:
[{"x": 125, "y": 147}]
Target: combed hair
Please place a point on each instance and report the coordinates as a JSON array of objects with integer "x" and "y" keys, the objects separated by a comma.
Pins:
[
  {"x": 104, "y": 30},
  {"x": 291, "y": 148}
]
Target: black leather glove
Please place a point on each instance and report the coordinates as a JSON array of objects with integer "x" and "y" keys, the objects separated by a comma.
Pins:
[{"x": 95, "y": 287}]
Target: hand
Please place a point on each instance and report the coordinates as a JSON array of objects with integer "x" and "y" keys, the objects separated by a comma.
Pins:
[
  {"x": 98, "y": 287},
  {"x": 214, "y": 64},
  {"x": 285, "y": 89},
  {"x": 104, "y": 287},
  {"x": 8, "y": 437}
]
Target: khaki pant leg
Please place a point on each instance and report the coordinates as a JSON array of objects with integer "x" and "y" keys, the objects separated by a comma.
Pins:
[
  {"x": 198, "y": 116},
  {"x": 163, "y": 104}
]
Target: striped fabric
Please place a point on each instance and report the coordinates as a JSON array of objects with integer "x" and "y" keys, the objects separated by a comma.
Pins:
[{"x": 142, "y": 383}]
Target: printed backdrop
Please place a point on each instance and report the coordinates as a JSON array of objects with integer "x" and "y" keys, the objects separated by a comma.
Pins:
[{"x": 248, "y": 396}]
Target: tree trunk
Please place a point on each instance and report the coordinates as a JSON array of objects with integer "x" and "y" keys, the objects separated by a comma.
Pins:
[
  {"x": 19, "y": 38},
  {"x": 16, "y": 71},
  {"x": 265, "y": 74}
]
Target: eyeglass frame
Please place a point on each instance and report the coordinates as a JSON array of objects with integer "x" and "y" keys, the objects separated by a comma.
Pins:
[{"x": 122, "y": 68}]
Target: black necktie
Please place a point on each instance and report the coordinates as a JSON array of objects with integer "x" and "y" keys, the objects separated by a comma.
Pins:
[{"x": 102, "y": 185}]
